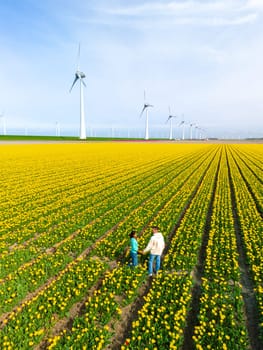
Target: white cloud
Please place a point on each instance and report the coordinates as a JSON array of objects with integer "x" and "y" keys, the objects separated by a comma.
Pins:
[
  {"x": 170, "y": 8},
  {"x": 254, "y": 4},
  {"x": 217, "y": 13},
  {"x": 175, "y": 8},
  {"x": 217, "y": 21}
]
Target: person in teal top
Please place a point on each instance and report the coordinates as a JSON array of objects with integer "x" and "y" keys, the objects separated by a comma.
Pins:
[{"x": 133, "y": 248}]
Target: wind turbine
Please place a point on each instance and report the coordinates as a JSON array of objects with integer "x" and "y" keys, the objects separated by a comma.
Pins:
[
  {"x": 57, "y": 129},
  {"x": 191, "y": 133},
  {"x": 183, "y": 125},
  {"x": 171, "y": 124},
  {"x": 2, "y": 116},
  {"x": 196, "y": 131},
  {"x": 145, "y": 108},
  {"x": 80, "y": 76},
  {"x": 202, "y": 133}
]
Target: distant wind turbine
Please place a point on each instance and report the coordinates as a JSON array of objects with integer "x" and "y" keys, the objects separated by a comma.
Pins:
[
  {"x": 202, "y": 133},
  {"x": 196, "y": 131},
  {"x": 2, "y": 116},
  {"x": 171, "y": 124},
  {"x": 80, "y": 76},
  {"x": 183, "y": 125},
  {"x": 57, "y": 129},
  {"x": 145, "y": 108},
  {"x": 191, "y": 133}
]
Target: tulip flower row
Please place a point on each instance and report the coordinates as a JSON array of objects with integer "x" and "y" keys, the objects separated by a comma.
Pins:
[
  {"x": 184, "y": 180},
  {"x": 167, "y": 218},
  {"x": 30, "y": 276},
  {"x": 11, "y": 260},
  {"x": 94, "y": 328},
  {"x": 186, "y": 243},
  {"x": 69, "y": 204},
  {"x": 168, "y": 332},
  {"x": 251, "y": 155},
  {"x": 118, "y": 287},
  {"x": 166, "y": 203},
  {"x": 118, "y": 283},
  {"x": 221, "y": 321},
  {"x": 77, "y": 180},
  {"x": 253, "y": 175},
  {"x": 43, "y": 172},
  {"x": 39, "y": 206},
  {"x": 250, "y": 220},
  {"x": 36, "y": 274},
  {"x": 231, "y": 293},
  {"x": 114, "y": 285},
  {"x": 162, "y": 319},
  {"x": 26, "y": 326}
]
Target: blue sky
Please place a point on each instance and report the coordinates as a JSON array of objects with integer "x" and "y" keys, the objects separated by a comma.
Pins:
[{"x": 202, "y": 58}]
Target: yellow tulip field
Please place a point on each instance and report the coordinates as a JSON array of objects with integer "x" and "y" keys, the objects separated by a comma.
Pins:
[{"x": 66, "y": 213}]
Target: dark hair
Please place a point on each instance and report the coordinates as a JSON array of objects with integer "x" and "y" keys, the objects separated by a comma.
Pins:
[
  {"x": 132, "y": 234},
  {"x": 155, "y": 227}
]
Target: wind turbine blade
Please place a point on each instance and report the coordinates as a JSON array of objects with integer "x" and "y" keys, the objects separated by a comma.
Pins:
[
  {"x": 142, "y": 111},
  {"x": 76, "y": 78},
  {"x": 83, "y": 82},
  {"x": 169, "y": 110},
  {"x": 78, "y": 57},
  {"x": 144, "y": 96}
]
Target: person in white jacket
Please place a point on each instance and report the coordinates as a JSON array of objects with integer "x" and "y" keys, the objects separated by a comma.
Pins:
[{"x": 155, "y": 247}]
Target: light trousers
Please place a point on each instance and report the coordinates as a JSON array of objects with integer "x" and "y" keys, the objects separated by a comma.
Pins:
[{"x": 157, "y": 259}]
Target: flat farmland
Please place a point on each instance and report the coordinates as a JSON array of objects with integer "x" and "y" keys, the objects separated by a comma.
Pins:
[{"x": 66, "y": 214}]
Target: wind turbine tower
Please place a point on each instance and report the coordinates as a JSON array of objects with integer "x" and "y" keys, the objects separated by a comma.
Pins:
[
  {"x": 57, "y": 129},
  {"x": 171, "y": 124},
  {"x": 80, "y": 76},
  {"x": 145, "y": 108}
]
